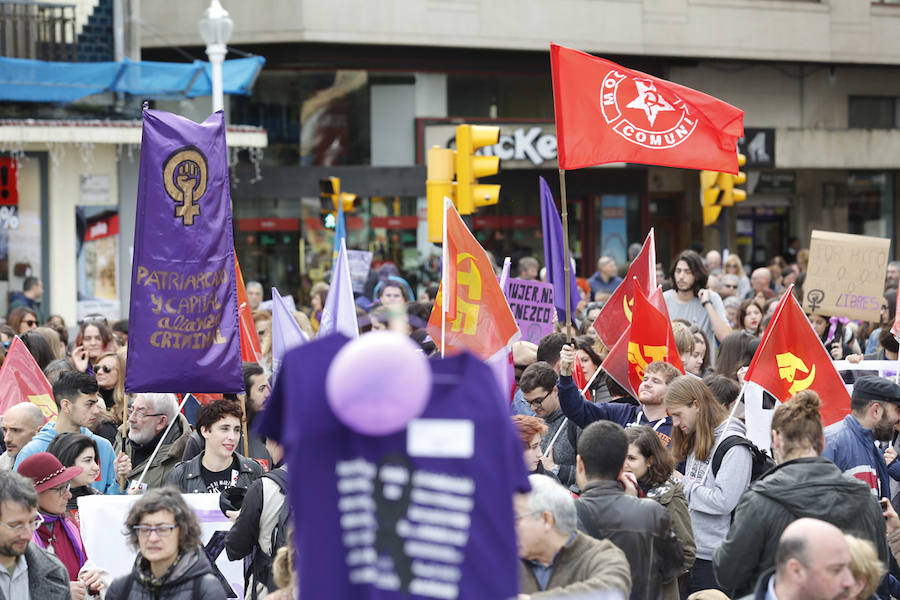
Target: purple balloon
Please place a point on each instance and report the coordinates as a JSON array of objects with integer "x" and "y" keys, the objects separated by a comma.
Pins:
[{"x": 378, "y": 383}]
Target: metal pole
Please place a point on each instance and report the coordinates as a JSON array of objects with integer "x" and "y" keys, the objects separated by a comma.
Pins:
[
  {"x": 216, "y": 54},
  {"x": 565, "y": 228}
]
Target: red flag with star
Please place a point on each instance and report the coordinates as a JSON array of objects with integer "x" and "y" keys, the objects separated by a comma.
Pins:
[
  {"x": 479, "y": 318},
  {"x": 606, "y": 113},
  {"x": 649, "y": 338},
  {"x": 791, "y": 358},
  {"x": 615, "y": 316}
]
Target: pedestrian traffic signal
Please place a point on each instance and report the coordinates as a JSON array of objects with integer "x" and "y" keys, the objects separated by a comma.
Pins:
[
  {"x": 439, "y": 183},
  {"x": 469, "y": 167},
  {"x": 330, "y": 193},
  {"x": 710, "y": 196}
]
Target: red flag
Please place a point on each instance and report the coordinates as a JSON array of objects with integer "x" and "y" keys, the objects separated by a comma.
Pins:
[
  {"x": 606, "y": 113},
  {"x": 791, "y": 358},
  {"x": 615, "y": 315},
  {"x": 649, "y": 338},
  {"x": 21, "y": 380},
  {"x": 251, "y": 351},
  {"x": 483, "y": 323},
  {"x": 579, "y": 377}
]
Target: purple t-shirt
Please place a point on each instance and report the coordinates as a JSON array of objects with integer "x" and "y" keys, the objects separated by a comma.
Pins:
[{"x": 424, "y": 513}]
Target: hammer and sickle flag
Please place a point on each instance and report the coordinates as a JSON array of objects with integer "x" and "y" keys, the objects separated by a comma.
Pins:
[
  {"x": 791, "y": 359},
  {"x": 21, "y": 380},
  {"x": 647, "y": 339},
  {"x": 478, "y": 316},
  {"x": 616, "y": 314}
]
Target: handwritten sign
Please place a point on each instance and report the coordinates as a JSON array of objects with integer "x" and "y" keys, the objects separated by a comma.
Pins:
[
  {"x": 846, "y": 275},
  {"x": 532, "y": 306}
]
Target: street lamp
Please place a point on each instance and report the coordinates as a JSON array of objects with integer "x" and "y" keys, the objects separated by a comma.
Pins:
[{"x": 215, "y": 29}]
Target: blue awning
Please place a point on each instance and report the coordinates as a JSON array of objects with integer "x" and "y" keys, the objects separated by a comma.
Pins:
[{"x": 25, "y": 80}]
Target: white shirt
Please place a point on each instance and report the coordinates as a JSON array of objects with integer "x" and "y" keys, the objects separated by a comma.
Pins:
[{"x": 15, "y": 585}]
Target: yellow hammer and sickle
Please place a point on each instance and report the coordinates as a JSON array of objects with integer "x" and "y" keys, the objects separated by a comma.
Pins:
[
  {"x": 466, "y": 312},
  {"x": 638, "y": 355},
  {"x": 626, "y": 306},
  {"x": 788, "y": 366}
]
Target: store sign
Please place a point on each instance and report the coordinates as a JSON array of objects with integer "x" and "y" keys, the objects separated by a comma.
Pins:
[
  {"x": 521, "y": 146},
  {"x": 777, "y": 183}
]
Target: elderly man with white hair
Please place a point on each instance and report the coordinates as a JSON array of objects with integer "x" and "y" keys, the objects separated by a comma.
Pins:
[
  {"x": 557, "y": 560},
  {"x": 148, "y": 418}
]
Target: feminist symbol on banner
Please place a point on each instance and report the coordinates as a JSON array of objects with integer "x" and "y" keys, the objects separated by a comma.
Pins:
[
  {"x": 815, "y": 298},
  {"x": 788, "y": 366},
  {"x": 184, "y": 175}
]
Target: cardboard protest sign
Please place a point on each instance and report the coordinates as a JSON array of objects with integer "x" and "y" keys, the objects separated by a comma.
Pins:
[
  {"x": 103, "y": 533},
  {"x": 845, "y": 275},
  {"x": 531, "y": 303}
]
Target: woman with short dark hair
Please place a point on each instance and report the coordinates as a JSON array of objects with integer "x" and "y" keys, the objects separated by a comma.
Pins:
[{"x": 171, "y": 564}]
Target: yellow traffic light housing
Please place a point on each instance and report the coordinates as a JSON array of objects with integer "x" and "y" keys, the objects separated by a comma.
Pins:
[
  {"x": 739, "y": 195},
  {"x": 710, "y": 195},
  {"x": 439, "y": 183},
  {"x": 330, "y": 189},
  {"x": 469, "y": 167}
]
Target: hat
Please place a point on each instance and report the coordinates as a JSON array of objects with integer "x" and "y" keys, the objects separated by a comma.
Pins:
[
  {"x": 878, "y": 389},
  {"x": 46, "y": 471}
]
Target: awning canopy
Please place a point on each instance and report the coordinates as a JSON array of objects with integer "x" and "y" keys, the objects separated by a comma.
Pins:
[{"x": 26, "y": 80}]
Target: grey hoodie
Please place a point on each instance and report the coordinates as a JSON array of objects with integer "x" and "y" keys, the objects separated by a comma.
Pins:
[{"x": 710, "y": 503}]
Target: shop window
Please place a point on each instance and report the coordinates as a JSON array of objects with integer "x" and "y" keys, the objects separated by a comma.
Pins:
[{"x": 872, "y": 112}]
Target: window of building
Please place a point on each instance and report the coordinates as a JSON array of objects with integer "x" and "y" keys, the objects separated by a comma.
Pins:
[{"x": 872, "y": 112}]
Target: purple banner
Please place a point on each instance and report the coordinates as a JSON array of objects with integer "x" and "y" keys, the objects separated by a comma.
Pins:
[
  {"x": 531, "y": 303},
  {"x": 183, "y": 319}
]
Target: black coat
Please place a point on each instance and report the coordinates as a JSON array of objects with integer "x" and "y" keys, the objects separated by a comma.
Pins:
[
  {"x": 803, "y": 487},
  {"x": 641, "y": 528},
  {"x": 191, "y": 579}
]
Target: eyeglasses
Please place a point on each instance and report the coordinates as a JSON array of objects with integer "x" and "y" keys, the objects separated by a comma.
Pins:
[
  {"x": 539, "y": 402},
  {"x": 30, "y": 322},
  {"x": 63, "y": 489},
  {"x": 140, "y": 413},
  {"x": 528, "y": 514},
  {"x": 163, "y": 531},
  {"x": 20, "y": 527},
  {"x": 104, "y": 368}
]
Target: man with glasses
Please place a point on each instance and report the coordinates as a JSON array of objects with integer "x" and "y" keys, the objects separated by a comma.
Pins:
[
  {"x": 555, "y": 557},
  {"x": 56, "y": 532},
  {"x": 148, "y": 418},
  {"x": 79, "y": 406},
  {"x": 28, "y": 572},
  {"x": 538, "y": 385}
]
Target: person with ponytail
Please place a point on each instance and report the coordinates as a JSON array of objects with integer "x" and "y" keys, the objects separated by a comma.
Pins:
[{"x": 803, "y": 484}]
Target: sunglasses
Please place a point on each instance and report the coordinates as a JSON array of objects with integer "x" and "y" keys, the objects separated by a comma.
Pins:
[
  {"x": 30, "y": 322},
  {"x": 93, "y": 320},
  {"x": 104, "y": 368}
]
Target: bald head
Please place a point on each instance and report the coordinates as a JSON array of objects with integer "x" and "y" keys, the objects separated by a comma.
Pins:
[
  {"x": 713, "y": 260},
  {"x": 761, "y": 278},
  {"x": 813, "y": 562},
  {"x": 20, "y": 423}
]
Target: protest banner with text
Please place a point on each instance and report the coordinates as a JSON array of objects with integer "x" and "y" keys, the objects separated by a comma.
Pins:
[{"x": 531, "y": 303}]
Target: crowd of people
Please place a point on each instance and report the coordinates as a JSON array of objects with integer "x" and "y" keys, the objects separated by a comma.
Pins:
[{"x": 658, "y": 496}]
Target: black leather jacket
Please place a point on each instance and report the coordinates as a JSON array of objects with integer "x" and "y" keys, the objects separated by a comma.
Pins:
[
  {"x": 186, "y": 476},
  {"x": 641, "y": 528}
]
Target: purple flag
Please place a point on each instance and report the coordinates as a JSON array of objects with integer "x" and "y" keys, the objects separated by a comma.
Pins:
[
  {"x": 183, "y": 315},
  {"x": 554, "y": 255}
]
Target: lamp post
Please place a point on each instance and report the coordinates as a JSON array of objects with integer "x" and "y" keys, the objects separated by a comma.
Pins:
[{"x": 215, "y": 29}]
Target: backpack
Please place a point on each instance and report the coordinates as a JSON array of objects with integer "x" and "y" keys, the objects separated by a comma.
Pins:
[
  {"x": 260, "y": 562},
  {"x": 762, "y": 462},
  {"x": 279, "y": 534}
]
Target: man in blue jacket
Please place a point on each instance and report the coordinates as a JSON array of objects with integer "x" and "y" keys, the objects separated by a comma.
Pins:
[
  {"x": 79, "y": 408},
  {"x": 850, "y": 444}
]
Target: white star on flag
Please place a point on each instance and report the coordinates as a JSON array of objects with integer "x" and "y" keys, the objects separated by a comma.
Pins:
[{"x": 649, "y": 100}]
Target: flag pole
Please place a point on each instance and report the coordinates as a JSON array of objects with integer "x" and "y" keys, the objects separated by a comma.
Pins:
[
  {"x": 565, "y": 228},
  {"x": 244, "y": 423},
  {"x": 122, "y": 479},
  {"x": 445, "y": 293}
]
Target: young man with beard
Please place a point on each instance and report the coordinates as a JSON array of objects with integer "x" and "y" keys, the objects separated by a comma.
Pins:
[
  {"x": 649, "y": 412},
  {"x": 692, "y": 301},
  {"x": 218, "y": 466},
  {"x": 850, "y": 444}
]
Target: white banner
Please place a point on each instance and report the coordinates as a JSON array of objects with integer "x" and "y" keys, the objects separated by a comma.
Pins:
[{"x": 103, "y": 526}]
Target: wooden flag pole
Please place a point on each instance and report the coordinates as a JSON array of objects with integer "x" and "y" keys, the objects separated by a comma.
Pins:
[
  {"x": 122, "y": 479},
  {"x": 244, "y": 423},
  {"x": 565, "y": 228}
]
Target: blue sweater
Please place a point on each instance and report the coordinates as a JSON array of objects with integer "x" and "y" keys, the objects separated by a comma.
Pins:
[{"x": 107, "y": 483}]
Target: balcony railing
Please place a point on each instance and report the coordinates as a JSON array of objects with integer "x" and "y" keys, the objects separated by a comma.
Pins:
[{"x": 38, "y": 30}]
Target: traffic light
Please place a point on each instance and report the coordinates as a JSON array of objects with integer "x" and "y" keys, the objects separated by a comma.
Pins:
[
  {"x": 439, "y": 183},
  {"x": 469, "y": 167},
  {"x": 739, "y": 179},
  {"x": 330, "y": 193},
  {"x": 710, "y": 195}
]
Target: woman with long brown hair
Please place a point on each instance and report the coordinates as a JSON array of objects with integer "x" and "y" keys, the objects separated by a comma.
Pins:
[{"x": 699, "y": 423}]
